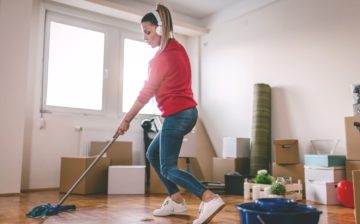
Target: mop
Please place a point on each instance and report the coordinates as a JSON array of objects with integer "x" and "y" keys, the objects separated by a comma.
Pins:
[{"x": 42, "y": 211}]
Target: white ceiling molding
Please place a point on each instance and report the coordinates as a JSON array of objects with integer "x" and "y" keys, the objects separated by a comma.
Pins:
[
  {"x": 129, "y": 14},
  {"x": 234, "y": 11},
  {"x": 150, "y": 5}
]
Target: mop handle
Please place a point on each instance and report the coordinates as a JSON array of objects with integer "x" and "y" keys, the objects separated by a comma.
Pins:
[{"x": 89, "y": 168}]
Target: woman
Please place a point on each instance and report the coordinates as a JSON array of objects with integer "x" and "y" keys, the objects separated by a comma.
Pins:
[{"x": 170, "y": 82}]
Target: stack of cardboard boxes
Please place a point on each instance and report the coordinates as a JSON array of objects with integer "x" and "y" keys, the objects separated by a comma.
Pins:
[
  {"x": 321, "y": 178},
  {"x": 99, "y": 179},
  {"x": 94, "y": 182},
  {"x": 352, "y": 130},
  {"x": 352, "y": 145},
  {"x": 356, "y": 180},
  {"x": 287, "y": 162},
  {"x": 235, "y": 158},
  {"x": 123, "y": 176},
  {"x": 197, "y": 157},
  {"x": 322, "y": 173}
]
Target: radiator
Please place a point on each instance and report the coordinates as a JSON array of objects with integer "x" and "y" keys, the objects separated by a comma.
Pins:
[
  {"x": 91, "y": 134},
  {"x": 88, "y": 135}
]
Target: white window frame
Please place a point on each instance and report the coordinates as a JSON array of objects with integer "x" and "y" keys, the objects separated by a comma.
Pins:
[
  {"x": 115, "y": 33},
  {"x": 77, "y": 22}
]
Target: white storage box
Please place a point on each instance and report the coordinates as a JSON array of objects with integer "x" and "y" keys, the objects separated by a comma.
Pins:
[
  {"x": 325, "y": 174},
  {"x": 236, "y": 147},
  {"x": 321, "y": 192},
  {"x": 126, "y": 180},
  {"x": 189, "y": 145}
]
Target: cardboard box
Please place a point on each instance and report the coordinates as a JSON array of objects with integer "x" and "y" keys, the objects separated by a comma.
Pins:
[
  {"x": 324, "y": 160},
  {"x": 156, "y": 186},
  {"x": 356, "y": 184},
  {"x": 295, "y": 171},
  {"x": 204, "y": 152},
  {"x": 94, "y": 182},
  {"x": 236, "y": 147},
  {"x": 321, "y": 192},
  {"x": 350, "y": 166},
  {"x": 119, "y": 152},
  {"x": 286, "y": 151},
  {"x": 222, "y": 166},
  {"x": 326, "y": 174},
  {"x": 352, "y": 137},
  {"x": 126, "y": 180}
]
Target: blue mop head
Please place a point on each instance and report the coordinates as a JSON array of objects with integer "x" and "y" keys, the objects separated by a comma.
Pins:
[{"x": 42, "y": 211}]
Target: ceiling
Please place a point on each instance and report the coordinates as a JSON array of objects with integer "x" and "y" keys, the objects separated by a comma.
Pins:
[
  {"x": 191, "y": 17},
  {"x": 197, "y": 9}
]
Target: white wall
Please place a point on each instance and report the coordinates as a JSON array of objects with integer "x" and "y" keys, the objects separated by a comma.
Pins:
[
  {"x": 193, "y": 50},
  {"x": 307, "y": 50},
  {"x": 15, "y": 17}
]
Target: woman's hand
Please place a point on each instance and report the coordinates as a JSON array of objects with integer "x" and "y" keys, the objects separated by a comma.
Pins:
[
  {"x": 123, "y": 127},
  {"x": 129, "y": 116}
]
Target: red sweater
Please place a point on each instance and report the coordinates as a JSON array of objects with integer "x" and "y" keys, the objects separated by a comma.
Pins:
[{"x": 169, "y": 80}]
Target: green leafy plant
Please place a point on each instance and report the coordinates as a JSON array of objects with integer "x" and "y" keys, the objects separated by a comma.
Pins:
[
  {"x": 263, "y": 177},
  {"x": 278, "y": 189}
]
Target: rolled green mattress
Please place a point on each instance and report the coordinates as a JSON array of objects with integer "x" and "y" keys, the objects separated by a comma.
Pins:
[{"x": 260, "y": 143}]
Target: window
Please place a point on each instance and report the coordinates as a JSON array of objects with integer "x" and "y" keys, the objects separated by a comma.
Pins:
[
  {"x": 137, "y": 55},
  {"x": 75, "y": 67},
  {"x": 93, "y": 66}
]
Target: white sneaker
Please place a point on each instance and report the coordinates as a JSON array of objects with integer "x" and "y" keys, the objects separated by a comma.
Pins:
[
  {"x": 209, "y": 209},
  {"x": 170, "y": 207}
]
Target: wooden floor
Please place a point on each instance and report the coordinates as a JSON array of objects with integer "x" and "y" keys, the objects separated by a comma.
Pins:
[{"x": 128, "y": 209}]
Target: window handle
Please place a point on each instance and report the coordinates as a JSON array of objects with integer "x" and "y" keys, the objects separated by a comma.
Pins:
[{"x": 106, "y": 73}]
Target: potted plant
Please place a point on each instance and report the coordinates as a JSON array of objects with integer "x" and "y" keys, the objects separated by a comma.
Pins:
[
  {"x": 263, "y": 177},
  {"x": 277, "y": 190}
]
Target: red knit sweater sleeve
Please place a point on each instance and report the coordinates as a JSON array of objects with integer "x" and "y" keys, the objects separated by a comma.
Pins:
[{"x": 156, "y": 72}]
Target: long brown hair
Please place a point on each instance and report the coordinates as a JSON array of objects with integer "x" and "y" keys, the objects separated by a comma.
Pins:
[{"x": 166, "y": 21}]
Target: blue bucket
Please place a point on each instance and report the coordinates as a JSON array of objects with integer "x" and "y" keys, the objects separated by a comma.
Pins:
[
  {"x": 255, "y": 213},
  {"x": 275, "y": 204}
]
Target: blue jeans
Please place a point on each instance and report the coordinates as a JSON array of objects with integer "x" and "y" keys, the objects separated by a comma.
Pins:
[{"x": 163, "y": 152}]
